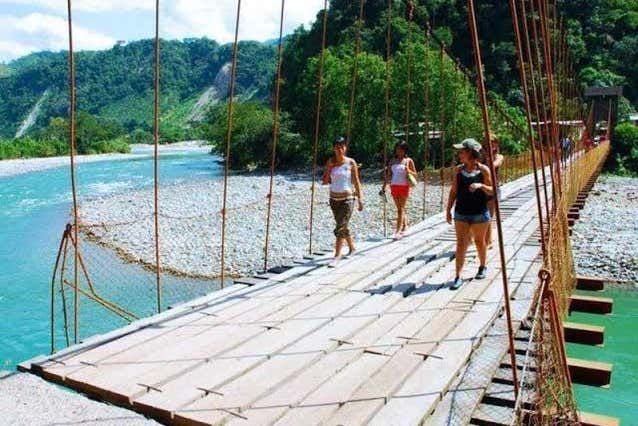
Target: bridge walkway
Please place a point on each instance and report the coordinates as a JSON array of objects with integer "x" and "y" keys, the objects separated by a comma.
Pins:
[{"x": 382, "y": 339}]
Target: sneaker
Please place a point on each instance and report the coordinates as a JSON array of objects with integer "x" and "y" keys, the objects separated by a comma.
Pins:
[
  {"x": 335, "y": 262},
  {"x": 481, "y": 273},
  {"x": 458, "y": 282}
]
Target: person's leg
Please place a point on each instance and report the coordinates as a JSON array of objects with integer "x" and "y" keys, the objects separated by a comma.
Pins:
[
  {"x": 399, "y": 222},
  {"x": 338, "y": 245},
  {"x": 348, "y": 208},
  {"x": 401, "y": 201},
  {"x": 479, "y": 230},
  {"x": 462, "y": 241},
  {"x": 491, "y": 205}
]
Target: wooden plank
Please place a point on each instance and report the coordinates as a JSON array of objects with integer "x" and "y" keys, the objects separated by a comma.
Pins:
[
  {"x": 262, "y": 377},
  {"x": 591, "y": 373},
  {"x": 591, "y": 304},
  {"x": 590, "y": 283},
  {"x": 584, "y": 333},
  {"x": 591, "y": 419}
]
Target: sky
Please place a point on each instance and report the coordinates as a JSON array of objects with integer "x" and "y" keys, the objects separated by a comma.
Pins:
[{"x": 28, "y": 26}]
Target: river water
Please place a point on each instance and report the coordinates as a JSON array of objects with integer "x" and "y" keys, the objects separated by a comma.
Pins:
[{"x": 34, "y": 208}]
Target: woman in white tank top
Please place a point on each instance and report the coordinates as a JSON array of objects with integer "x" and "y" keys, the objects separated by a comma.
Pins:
[
  {"x": 397, "y": 172},
  {"x": 342, "y": 174}
]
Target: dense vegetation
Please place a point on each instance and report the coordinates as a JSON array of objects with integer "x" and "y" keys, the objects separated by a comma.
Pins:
[
  {"x": 115, "y": 86},
  {"x": 625, "y": 157},
  {"x": 93, "y": 136}
]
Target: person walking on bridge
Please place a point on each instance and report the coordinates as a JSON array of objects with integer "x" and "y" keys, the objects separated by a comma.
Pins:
[
  {"x": 342, "y": 174},
  {"x": 401, "y": 173},
  {"x": 471, "y": 187},
  {"x": 499, "y": 159}
]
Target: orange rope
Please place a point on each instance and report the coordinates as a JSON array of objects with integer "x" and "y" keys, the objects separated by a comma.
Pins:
[
  {"x": 72, "y": 153},
  {"x": 156, "y": 161},
  {"x": 355, "y": 71},
  {"x": 275, "y": 132},
  {"x": 386, "y": 116},
  {"x": 486, "y": 125},
  {"x": 315, "y": 144},
  {"x": 229, "y": 135}
]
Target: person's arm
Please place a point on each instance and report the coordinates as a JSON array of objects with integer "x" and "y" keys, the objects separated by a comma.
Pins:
[
  {"x": 357, "y": 184},
  {"x": 326, "y": 173},
  {"x": 412, "y": 167},
  {"x": 452, "y": 197},
  {"x": 486, "y": 186},
  {"x": 498, "y": 160}
]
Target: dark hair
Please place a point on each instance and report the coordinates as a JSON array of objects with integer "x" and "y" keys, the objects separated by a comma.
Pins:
[
  {"x": 475, "y": 154},
  {"x": 403, "y": 145},
  {"x": 339, "y": 140}
]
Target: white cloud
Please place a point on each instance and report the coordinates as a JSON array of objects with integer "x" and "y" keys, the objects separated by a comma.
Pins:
[
  {"x": 37, "y": 31},
  {"x": 179, "y": 19},
  {"x": 86, "y": 5},
  {"x": 259, "y": 18}
]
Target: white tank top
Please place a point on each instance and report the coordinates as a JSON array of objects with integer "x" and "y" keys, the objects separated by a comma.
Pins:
[
  {"x": 341, "y": 178},
  {"x": 399, "y": 173}
]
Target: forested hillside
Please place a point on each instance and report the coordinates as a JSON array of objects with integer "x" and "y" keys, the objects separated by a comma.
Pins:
[{"x": 117, "y": 84}]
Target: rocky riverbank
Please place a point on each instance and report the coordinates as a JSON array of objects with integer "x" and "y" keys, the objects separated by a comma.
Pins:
[
  {"x": 29, "y": 400},
  {"x": 604, "y": 239},
  {"x": 191, "y": 222}
]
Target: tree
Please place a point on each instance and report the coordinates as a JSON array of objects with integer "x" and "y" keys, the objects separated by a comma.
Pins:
[{"x": 624, "y": 156}]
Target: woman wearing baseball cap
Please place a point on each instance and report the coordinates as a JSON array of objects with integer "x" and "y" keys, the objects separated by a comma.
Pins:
[{"x": 471, "y": 187}]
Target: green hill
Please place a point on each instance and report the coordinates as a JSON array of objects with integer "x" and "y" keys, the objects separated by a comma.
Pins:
[{"x": 117, "y": 84}]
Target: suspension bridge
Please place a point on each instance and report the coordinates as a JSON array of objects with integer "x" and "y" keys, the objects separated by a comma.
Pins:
[{"x": 382, "y": 339}]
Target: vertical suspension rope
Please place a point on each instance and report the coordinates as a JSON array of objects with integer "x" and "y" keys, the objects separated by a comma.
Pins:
[
  {"x": 534, "y": 100},
  {"x": 355, "y": 71},
  {"x": 486, "y": 126},
  {"x": 551, "y": 88},
  {"x": 426, "y": 125},
  {"x": 229, "y": 136},
  {"x": 528, "y": 113},
  {"x": 156, "y": 108},
  {"x": 386, "y": 116},
  {"x": 315, "y": 142},
  {"x": 442, "y": 120},
  {"x": 72, "y": 153},
  {"x": 408, "y": 90},
  {"x": 275, "y": 132},
  {"x": 543, "y": 108}
]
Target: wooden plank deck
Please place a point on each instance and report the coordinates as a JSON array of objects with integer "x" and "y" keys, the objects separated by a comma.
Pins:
[{"x": 381, "y": 339}]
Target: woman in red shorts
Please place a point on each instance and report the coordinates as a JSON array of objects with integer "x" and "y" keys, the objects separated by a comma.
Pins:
[{"x": 397, "y": 174}]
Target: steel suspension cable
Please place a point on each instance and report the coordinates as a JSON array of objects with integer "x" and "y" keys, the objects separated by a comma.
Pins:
[
  {"x": 355, "y": 72},
  {"x": 386, "y": 116},
  {"x": 528, "y": 113},
  {"x": 156, "y": 108},
  {"x": 275, "y": 133},
  {"x": 315, "y": 142},
  {"x": 72, "y": 153},
  {"x": 480, "y": 82},
  {"x": 229, "y": 136}
]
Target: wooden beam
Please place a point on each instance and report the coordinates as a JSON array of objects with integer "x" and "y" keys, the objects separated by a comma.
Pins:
[
  {"x": 584, "y": 333},
  {"x": 591, "y": 419},
  {"x": 590, "y": 283},
  {"x": 591, "y": 373},
  {"x": 591, "y": 304}
]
